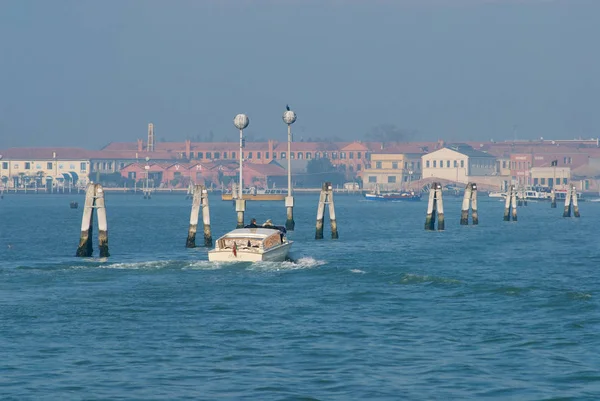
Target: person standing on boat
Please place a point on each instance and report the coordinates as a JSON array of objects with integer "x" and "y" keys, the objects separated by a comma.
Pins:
[{"x": 252, "y": 224}]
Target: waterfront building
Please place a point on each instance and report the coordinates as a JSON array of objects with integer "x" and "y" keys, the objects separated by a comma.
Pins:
[
  {"x": 459, "y": 163},
  {"x": 44, "y": 167}
]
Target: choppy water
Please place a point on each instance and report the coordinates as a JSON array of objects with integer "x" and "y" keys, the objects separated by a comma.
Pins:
[{"x": 387, "y": 312}]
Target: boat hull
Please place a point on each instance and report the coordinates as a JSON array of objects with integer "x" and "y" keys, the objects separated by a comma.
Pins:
[
  {"x": 258, "y": 197},
  {"x": 392, "y": 198},
  {"x": 276, "y": 254}
]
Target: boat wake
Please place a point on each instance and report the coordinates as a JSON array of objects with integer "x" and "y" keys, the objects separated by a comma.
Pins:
[{"x": 290, "y": 264}]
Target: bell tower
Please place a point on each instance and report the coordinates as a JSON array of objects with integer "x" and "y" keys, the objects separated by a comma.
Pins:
[{"x": 150, "y": 145}]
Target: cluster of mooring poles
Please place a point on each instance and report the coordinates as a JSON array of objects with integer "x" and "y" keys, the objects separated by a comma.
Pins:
[
  {"x": 435, "y": 207},
  {"x": 571, "y": 199},
  {"x": 200, "y": 199},
  {"x": 514, "y": 198},
  {"x": 326, "y": 198},
  {"x": 469, "y": 201},
  {"x": 94, "y": 199}
]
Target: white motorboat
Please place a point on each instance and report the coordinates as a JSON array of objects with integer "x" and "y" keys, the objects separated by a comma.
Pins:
[
  {"x": 497, "y": 194},
  {"x": 252, "y": 245}
]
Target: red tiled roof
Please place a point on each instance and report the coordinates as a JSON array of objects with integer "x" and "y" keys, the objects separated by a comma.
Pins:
[
  {"x": 266, "y": 169},
  {"x": 117, "y": 146},
  {"x": 133, "y": 154},
  {"x": 401, "y": 148}
]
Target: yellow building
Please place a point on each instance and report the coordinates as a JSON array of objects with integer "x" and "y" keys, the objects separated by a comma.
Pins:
[
  {"x": 551, "y": 177},
  {"x": 43, "y": 167},
  {"x": 392, "y": 171}
]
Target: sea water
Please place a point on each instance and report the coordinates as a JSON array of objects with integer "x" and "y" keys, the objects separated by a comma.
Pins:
[{"x": 389, "y": 311}]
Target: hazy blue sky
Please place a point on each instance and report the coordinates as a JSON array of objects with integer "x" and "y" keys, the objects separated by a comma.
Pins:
[{"x": 85, "y": 73}]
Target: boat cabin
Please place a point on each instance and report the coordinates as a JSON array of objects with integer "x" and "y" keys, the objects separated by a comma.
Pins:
[{"x": 252, "y": 239}]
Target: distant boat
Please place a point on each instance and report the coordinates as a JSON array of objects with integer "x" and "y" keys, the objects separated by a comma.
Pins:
[
  {"x": 255, "y": 194},
  {"x": 497, "y": 194},
  {"x": 561, "y": 195},
  {"x": 404, "y": 196}
]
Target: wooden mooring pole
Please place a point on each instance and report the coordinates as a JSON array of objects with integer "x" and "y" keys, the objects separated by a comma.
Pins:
[
  {"x": 571, "y": 198},
  {"x": 469, "y": 200},
  {"x": 85, "y": 240},
  {"x": 206, "y": 218},
  {"x": 510, "y": 205},
  {"x": 191, "y": 237},
  {"x": 94, "y": 199},
  {"x": 102, "y": 223},
  {"x": 553, "y": 199},
  {"x": 326, "y": 197},
  {"x": 200, "y": 200},
  {"x": 435, "y": 206}
]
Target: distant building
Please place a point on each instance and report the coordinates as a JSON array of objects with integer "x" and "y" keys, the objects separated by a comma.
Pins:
[
  {"x": 392, "y": 171},
  {"x": 551, "y": 177},
  {"x": 458, "y": 163},
  {"x": 44, "y": 167}
]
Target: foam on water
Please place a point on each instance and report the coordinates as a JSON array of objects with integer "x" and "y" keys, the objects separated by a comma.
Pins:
[{"x": 302, "y": 263}]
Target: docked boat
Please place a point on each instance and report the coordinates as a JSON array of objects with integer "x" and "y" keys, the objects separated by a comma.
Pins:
[
  {"x": 534, "y": 194},
  {"x": 561, "y": 195},
  {"x": 376, "y": 195},
  {"x": 252, "y": 245},
  {"x": 255, "y": 194}
]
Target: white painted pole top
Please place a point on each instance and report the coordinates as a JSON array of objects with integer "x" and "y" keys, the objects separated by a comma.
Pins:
[
  {"x": 289, "y": 117},
  {"x": 241, "y": 121}
]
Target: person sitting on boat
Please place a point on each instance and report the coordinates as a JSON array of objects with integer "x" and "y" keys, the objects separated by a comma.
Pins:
[
  {"x": 268, "y": 223},
  {"x": 252, "y": 224}
]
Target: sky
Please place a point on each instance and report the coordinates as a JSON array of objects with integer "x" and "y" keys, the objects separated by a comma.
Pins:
[{"x": 86, "y": 73}]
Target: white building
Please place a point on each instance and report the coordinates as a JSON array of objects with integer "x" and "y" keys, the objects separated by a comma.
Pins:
[{"x": 459, "y": 163}]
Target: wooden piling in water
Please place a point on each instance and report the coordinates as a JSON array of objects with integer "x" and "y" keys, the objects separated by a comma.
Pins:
[
  {"x": 474, "y": 213},
  {"x": 191, "y": 237},
  {"x": 206, "y": 218},
  {"x": 332, "y": 220},
  {"x": 553, "y": 199},
  {"x": 510, "y": 204},
  {"x": 464, "y": 213},
  {"x": 85, "y": 248},
  {"x": 326, "y": 198},
  {"x": 102, "y": 223},
  {"x": 469, "y": 201},
  {"x": 574, "y": 202},
  {"x": 435, "y": 206},
  {"x": 571, "y": 199},
  {"x": 513, "y": 205},
  {"x": 430, "y": 217}
]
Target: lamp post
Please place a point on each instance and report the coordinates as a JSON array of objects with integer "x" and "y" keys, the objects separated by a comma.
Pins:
[
  {"x": 241, "y": 121},
  {"x": 54, "y": 181},
  {"x": 289, "y": 117},
  {"x": 147, "y": 168},
  {"x": 553, "y": 193}
]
